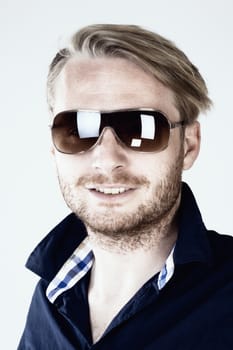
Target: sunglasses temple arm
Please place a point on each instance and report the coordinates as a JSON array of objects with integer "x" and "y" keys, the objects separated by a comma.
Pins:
[{"x": 177, "y": 124}]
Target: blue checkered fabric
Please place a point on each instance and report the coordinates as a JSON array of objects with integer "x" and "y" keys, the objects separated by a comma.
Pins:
[
  {"x": 72, "y": 271},
  {"x": 167, "y": 271},
  {"x": 80, "y": 263}
]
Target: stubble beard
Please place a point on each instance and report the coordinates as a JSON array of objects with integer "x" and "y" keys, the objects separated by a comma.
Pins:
[{"x": 132, "y": 229}]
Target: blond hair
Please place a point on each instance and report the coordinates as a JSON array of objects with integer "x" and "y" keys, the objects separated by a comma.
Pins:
[{"x": 152, "y": 52}]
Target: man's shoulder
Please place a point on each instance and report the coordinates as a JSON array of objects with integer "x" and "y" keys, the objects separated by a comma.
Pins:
[
  {"x": 221, "y": 245},
  {"x": 219, "y": 239}
]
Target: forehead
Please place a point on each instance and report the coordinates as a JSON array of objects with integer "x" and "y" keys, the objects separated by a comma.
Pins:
[{"x": 107, "y": 84}]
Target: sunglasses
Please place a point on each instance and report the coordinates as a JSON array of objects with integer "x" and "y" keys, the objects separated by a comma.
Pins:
[{"x": 142, "y": 130}]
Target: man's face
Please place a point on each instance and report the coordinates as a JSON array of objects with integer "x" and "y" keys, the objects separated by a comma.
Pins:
[{"x": 112, "y": 188}]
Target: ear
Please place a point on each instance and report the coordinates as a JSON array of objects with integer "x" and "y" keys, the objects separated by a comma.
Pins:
[
  {"x": 52, "y": 150},
  {"x": 192, "y": 140}
]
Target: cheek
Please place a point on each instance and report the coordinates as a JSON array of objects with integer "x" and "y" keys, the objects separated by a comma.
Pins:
[
  {"x": 152, "y": 167},
  {"x": 156, "y": 166},
  {"x": 68, "y": 167}
]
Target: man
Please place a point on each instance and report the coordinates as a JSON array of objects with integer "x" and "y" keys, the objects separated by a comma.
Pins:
[{"x": 133, "y": 266}]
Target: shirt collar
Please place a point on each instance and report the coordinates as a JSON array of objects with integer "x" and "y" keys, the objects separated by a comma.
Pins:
[
  {"x": 192, "y": 244},
  {"x": 56, "y": 248},
  {"x": 81, "y": 261},
  {"x": 51, "y": 253}
]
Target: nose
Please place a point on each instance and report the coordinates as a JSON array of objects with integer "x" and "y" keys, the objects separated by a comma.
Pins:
[{"x": 109, "y": 155}]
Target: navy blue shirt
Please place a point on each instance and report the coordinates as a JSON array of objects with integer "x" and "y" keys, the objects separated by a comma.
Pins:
[{"x": 193, "y": 311}]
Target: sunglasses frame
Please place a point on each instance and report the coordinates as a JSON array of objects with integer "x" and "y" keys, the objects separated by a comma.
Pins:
[{"x": 171, "y": 125}]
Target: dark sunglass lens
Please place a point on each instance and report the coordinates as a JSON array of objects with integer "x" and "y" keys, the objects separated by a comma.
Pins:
[
  {"x": 74, "y": 132},
  {"x": 144, "y": 131},
  {"x": 156, "y": 135}
]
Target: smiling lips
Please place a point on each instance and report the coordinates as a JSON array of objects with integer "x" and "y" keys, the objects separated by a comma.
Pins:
[{"x": 109, "y": 190}]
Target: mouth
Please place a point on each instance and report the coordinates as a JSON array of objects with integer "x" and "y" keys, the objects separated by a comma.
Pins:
[{"x": 109, "y": 190}]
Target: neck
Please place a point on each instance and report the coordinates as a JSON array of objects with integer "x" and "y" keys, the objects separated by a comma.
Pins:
[
  {"x": 122, "y": 266},
  {"x": 117, "y": 260},
  {"x": 114, "y": 271}
]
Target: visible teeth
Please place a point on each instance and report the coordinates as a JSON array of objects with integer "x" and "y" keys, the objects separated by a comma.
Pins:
[{"x": 110, "y": 190}]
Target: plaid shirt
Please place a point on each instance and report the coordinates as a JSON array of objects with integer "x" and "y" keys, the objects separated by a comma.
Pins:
[{"x": 80, "y": 263}]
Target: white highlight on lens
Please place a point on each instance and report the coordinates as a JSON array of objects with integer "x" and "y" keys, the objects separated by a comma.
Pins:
[
  {"x": 148, "y": 126},
  {"x": 136, "y": 143},
  {"x": 88, "y": 123}
]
